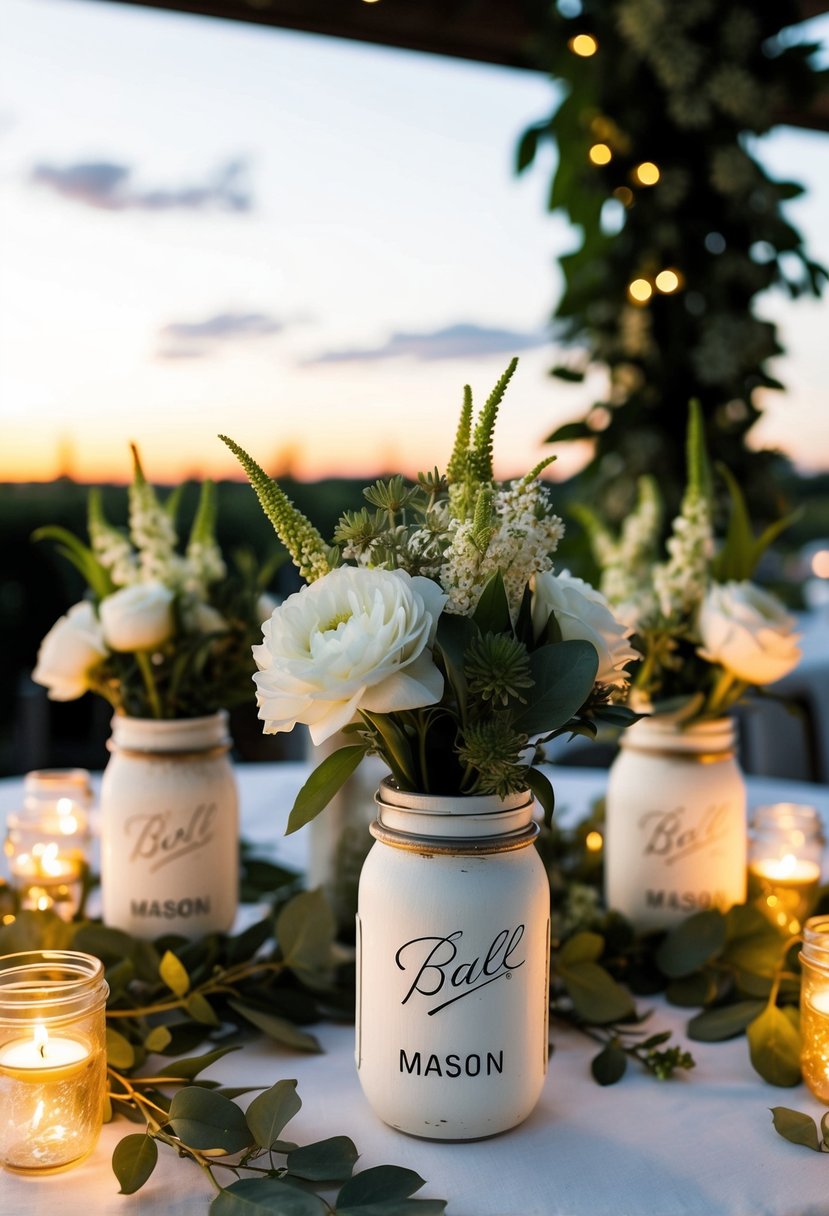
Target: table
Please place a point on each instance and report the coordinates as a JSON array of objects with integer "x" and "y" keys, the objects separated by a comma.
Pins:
[{"x": 699, "y": 1145}]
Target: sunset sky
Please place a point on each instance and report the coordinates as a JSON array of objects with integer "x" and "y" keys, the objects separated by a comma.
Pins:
[{"x": 307, "y": 243}]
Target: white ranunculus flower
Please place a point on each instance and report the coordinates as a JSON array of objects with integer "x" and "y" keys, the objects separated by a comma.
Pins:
[
  {"x": 583, "y": 612},
  {"x": 353, "y": 639},
  {"x": 71, "y": 649},
  {"x": 748, "y": 632},
  {"x": 139, "y": 617}
]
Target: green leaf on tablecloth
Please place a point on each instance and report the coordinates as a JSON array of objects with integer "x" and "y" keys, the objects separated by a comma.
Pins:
[
  {"x": 691, "y": 944},
  {"x": 582, "y": 947},
  {"x": 120, "y": 1052},
  {"x": 279, "y": 1029},
  {"x": 201, "y": 1010},
  {"x": 691, "y": 991},
  {"x": 328, "y": 1160},
  {"x": 197, "y": 1064},
  {"x": 265, "y": 1197},
  {"x": 270, "y": 1111},
  {"x": 158, "y": 1038},
  {"x": 824, "y": 1130},
  {"x": 726, "y": 1022},
  {"x": 174, "y": 974},
  {"x": 381, "y": 1184},
  {"x": 133, "y": 1161},
  {"x": 795, "y": 1127},
  {"x": 596, "y": 996},
  {"x": 305, "y": 930},
  {"x": 325, "y": 781},
  {"x": 207, "y": 1121},
  {"x": 609, "y": 1065},
  {"x": 774, "y": 1047},
  {"x": 111, "y": 946},
  {"x": 246, "y": 945}
]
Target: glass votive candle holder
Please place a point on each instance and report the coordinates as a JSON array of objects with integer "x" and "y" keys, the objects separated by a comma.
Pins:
[
  {"x": 56, "y": 785},
  {"x": 52, "y": 1059},
  {"x": 814, "y": 1006},
  {"x": 47, "y": 850},
  {"x": 785, "y": 855}
]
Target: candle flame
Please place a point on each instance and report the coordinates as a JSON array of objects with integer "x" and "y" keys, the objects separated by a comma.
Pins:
[
  {"x": 788, "y": 865},
  {"x": 41, "y": 1037}
]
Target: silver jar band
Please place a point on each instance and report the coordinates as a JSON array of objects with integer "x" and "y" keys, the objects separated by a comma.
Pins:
[{"x": 457, "y": 846}]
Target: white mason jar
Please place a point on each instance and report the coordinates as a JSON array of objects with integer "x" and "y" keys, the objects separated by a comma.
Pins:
[
  {"x": 453, "y": 944},
  {"x": 169, "y": 827},
  {"x": 675, "y": 836}
]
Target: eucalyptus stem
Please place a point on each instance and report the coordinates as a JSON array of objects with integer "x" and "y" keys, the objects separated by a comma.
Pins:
[{"x": 146, "y": 669}]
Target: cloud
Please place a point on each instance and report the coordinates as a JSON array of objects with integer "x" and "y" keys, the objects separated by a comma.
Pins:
[
  {"x": 462, "y": 341},
  {"x": 197, "y": 339},
  {"x": 110, "y": 187}
]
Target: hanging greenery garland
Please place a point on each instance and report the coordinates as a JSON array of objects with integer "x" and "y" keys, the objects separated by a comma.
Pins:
[{"x": 680, "y": 227}]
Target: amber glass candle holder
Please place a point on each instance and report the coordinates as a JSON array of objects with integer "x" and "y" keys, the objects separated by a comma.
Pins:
[
  {"x": 814, "y": 1006},
  {"x": 785, "y": 855},
  {"x": 47, "y": 849},
  {"x": 52, "y": 1058}
]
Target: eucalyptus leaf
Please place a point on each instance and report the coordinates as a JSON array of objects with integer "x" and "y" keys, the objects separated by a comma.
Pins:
[
  {"x": 279, "y": 1029},
  {"x": 774, "y": 1047},
  {"x": 596, "y": 996},
  {"x": 206, "y": 1121},
  {"x": 609, "y": 1065},
  {"x": 691, "y": 991},
  {"x": 268, "y": 1113},
  {"x": 691, "y": 944},
  {"x": 201, "y": 1010},
  {"x": 381, "y": 1184},
  {"x": 584, "y": 947},
  {"x": 120, "y": 1052},
  {"x": 197, "y": 1064},
  {"x": 36, "y": 931},
  {"x": 158, "y": 1038},
  {"x": 325, "y": 1161},
  {"x": 397, "y": 1207},
  {"x": 725, "y": 1022},
  {"x": 133, "y": 1161},
  {"x": 265, "y": 1197},
  {"x": 563, "y": 677},
  {"x": 795, "y": 1127},
  {"x": 326, "y": 779},
  {"x": 305, "y": 930},
  {"x": 174, "y": 974}
]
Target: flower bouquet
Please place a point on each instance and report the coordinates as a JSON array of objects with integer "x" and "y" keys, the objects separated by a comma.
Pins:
[
  {"x": 706, "y": 632},
  {"x": 163, "y": 634},
  {"x": 435, "y": 631}
]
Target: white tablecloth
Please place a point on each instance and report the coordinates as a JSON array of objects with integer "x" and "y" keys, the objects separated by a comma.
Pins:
[{"x": 699, "y": 1145}]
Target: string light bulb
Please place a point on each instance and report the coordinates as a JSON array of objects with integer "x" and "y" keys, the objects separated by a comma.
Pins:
[
  {"x": 647, "y": 174},
  {"x": 640, "y": 291},
  {"x": 583, "y": 45},
  {"x": 625, "y": 195},
  {"x": 668, "y": 281},
  {"x": 600, "y": 154}
]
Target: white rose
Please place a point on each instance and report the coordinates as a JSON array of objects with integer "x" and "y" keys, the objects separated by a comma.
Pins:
[
  {"x": 354, "y": 639},
  {"x": 139, "y": 617},
  {"x": 71, "y": 649},
  {"x": 748, "y": 632},
  {"x": 583, "y": 612}
]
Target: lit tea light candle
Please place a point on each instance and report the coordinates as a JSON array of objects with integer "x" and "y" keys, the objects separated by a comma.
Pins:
[
  {"x": 814, "y": 1006},
  {"x": 46, "y": 846},
  {"x": 784, "y": 869},
  {"x": 52, "y": 1059}
]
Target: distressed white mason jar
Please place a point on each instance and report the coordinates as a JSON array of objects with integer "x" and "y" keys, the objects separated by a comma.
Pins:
[
  {"x": 675, "y": 837},
  {"x": 453, "y": 934},
  {"x": 169, "y": 827}
]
